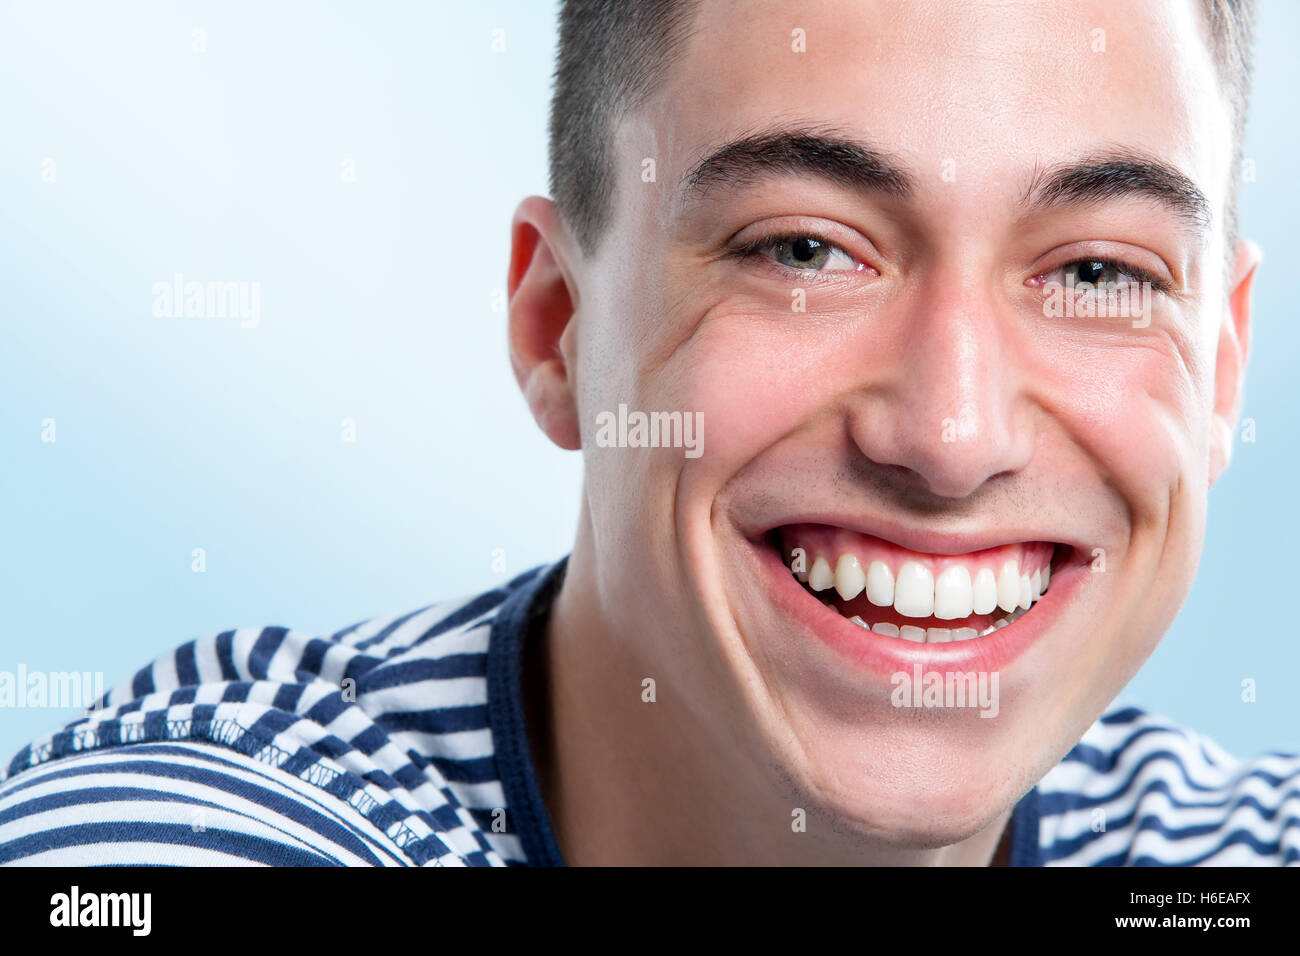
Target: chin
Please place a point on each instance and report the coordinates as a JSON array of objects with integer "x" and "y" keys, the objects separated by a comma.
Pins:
[{"x": 939, "y": 798}]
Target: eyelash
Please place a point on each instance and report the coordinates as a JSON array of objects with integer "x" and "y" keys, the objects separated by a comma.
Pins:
[
  {"x": 1133, "y": 272},
  {"x": 755, "y": 247}
]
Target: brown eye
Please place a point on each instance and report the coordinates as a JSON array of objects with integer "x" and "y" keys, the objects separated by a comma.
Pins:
[
  {"x": 809, "y": 254},
  {"x": 803, "y": 254},
  {"x": 1094, "y": 272},
  {"x": 1102, "y": 275}
]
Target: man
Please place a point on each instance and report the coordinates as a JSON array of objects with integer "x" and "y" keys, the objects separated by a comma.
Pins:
[{"x": 902, "y": 342}]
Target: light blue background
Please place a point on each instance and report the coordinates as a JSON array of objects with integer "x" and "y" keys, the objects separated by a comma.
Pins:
[{"x": 377, "y": 296}]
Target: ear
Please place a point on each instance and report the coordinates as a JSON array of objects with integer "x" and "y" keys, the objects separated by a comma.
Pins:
[
  {"x": 542, "y": 302},
  {"x": 1230, "y": 365}
]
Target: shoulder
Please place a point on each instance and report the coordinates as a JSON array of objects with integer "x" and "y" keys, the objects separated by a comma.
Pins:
[
  {"x": 1140, "y": 790},
  {"x": 369, "y": 745}
]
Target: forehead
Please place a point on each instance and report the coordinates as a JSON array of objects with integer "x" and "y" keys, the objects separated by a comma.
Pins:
[{"x": 989, "y": 89}]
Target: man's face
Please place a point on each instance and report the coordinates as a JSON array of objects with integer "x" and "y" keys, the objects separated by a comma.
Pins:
[{"x": 900, "y": 390}]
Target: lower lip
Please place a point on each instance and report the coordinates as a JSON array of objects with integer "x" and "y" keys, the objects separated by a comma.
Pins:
[{"x": 883, "y": 655}]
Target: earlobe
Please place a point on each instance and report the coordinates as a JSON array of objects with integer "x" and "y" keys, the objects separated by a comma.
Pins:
[
  {"x": 540, "y": 311},
  {"x": 1230, "y": 362}
]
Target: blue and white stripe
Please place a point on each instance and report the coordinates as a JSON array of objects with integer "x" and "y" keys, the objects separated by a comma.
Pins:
[
  {"x": 1138, "y": 790},
  {"x": 369, "y": 746}
]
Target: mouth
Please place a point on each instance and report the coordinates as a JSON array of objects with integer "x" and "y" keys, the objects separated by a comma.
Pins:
[
  {"x": 923, "y": 598},
  {"x": 877, "y": 601}
]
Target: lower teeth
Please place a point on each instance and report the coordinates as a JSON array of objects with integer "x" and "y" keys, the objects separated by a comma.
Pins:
[{"x": 934, "y": 635}]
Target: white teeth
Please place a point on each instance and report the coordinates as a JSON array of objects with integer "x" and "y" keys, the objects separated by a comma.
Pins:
[
  {"x": 915, "y": 593},
  {"x": 1008, "y": 586},
  {"x": 953, "y": 594},
  {"x": 850, "y": 579},
  {"x": 880, "y": 584},
  {"x": 985, "y": 592},
  {"x": 821, "y": 577},
  {"x": 914, "y": 590}
]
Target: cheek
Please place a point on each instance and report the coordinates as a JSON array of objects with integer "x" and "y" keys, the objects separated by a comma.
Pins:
[
  {"x": 1138, "y": 411},
  {"x": 754, "y": 381}
]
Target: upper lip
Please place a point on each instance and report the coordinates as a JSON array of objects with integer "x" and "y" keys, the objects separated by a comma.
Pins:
[{"x": 923, "y": 540}]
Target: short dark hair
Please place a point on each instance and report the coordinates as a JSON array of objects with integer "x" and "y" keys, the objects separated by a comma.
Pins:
[
  {"x": 1232, "y": 34},
  {"x": 613, "y": 54}
]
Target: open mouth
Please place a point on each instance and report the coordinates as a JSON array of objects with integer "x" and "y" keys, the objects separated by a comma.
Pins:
[{"x": 921, "y": 598}]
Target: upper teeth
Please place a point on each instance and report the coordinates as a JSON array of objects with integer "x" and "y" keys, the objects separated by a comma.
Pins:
[{"x": 913, "y": 591}]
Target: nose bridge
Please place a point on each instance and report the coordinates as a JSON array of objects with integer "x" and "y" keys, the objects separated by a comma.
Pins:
[{"x": 949, "y": 415}]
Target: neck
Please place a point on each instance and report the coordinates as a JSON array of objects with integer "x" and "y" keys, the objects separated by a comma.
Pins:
[{"x": 627, "y": 781}]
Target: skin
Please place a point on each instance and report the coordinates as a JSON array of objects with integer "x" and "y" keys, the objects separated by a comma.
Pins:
[{"x": 1085, "y": 431}]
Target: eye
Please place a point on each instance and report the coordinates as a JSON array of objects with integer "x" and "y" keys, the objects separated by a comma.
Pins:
[
  {"x": 1101, "y": 275},
  {"x": 802, "y": 253},
  {"x": 1094, "y": 272},
  {"x": 809, "y": 253}
]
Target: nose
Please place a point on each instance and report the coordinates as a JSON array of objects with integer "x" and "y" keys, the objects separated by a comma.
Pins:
[{"x": 945, "y": 400}]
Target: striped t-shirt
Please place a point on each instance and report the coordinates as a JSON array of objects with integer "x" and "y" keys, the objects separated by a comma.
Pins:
[{"x": 401, "y": 742}]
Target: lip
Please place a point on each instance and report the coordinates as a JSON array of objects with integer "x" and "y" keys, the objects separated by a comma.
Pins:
[
  {"x": 954, "y": 542},
  {"x": 885, "y": 656}
]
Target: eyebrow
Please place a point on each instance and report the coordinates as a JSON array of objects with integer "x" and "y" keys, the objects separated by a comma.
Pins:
[
  {"x": 838, "y": 157},
  {"x": 816, "y": 151},
  {"x": 1119, "y": 174}
]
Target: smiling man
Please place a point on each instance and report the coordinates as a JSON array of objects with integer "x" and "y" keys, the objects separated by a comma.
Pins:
[{"x": 935, "y": 321}]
